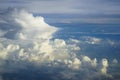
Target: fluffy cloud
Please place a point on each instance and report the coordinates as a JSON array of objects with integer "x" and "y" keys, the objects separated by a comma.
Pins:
[
  {"x": 32, "y": 41},
  {"x": 33, "y": 44},
  {"x": 104, "y": 66},
  {"x": 32, "y": 27}
]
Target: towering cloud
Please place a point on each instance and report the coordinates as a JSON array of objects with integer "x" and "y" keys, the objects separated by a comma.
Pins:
[
  {"x": 31, "y": 27},
  {"x": 28, "y": 38}
]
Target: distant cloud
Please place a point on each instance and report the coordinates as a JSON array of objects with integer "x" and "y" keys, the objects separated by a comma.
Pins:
[
  {"x": 104, "y": 66},
  {"x": 92, "y": 40},
  {"x": 68, "y": 6},
  {"x": 91, "y": 10},
  {"x": 115, "y": 61}
]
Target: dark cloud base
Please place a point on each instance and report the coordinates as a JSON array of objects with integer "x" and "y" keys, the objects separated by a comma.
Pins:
[{"x": 43, "y": 75}]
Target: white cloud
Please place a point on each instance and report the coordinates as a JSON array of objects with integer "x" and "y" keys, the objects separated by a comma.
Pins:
[
  {"x": 32, "y": 27},
  {"x": 104, "y": 66},
  {"x": 75, "y": 41},
  {"x": 86, "y": 59},
  {"x": 94, "y": 62},
  {"x": 74, "y": 64},
  {"x": 36, "y": 33},
  {"x": 91, "y": 40},
  {"x": 33, "y": 44}
]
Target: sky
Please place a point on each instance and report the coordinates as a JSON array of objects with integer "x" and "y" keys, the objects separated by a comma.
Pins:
[
  {"x": 32, "y": 48},
  {"x": 70, "y": 11}
]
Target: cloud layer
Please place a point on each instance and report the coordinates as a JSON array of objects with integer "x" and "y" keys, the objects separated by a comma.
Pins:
[
  {"x": 87, "y": 11},
  {"x": 27, "y": 40}
]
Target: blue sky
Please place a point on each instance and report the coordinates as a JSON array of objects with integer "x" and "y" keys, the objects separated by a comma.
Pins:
[{"x": 90, "y": 11}]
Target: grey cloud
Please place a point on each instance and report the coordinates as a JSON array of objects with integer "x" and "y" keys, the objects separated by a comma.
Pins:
[
  {"x": 82, "y": 7},
  {"x": 76, "y": 6}
]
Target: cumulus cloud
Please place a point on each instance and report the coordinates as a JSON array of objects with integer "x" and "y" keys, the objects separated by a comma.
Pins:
[
  {"x": 74, "y": 64},
  {"x": 104, "y": 66},
  {"x": 32, "y": 43},
  {"x": 91, "y": 40}
]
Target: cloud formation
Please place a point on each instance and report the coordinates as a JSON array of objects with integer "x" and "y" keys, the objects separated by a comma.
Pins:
[
  {"x": 104, "y": 66},
  {"x": 27, "y": 40}
]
